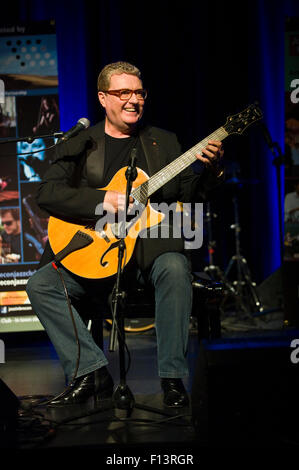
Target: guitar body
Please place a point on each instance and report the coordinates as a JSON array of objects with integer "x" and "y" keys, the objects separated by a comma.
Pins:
[{"x": 89, "y": 262}]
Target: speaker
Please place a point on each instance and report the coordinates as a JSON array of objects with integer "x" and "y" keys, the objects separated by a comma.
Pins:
[
  {"x": 270, "y": 291},
  {"x": 9, "y": 406},
  {"x": 244, "y": 391}
]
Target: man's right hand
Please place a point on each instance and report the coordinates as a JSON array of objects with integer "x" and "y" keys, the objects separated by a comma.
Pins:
[{"x": 115, "y": 202}]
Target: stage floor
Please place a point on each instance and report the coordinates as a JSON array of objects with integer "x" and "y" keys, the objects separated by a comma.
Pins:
[{"x": 32, "y": 372}]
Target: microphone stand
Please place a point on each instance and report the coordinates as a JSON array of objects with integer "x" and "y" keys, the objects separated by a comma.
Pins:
[
  {"x": 83, "y": 123},
  {"x": 31, "y": 138},
  {"x": 279, "y": 159},
  {"x": 123, "y": 398}
]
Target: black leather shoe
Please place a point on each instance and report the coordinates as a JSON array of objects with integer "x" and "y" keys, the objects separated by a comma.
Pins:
[
  {"x": 97, "y": 384},
  {"x": 175, "y": 395}
]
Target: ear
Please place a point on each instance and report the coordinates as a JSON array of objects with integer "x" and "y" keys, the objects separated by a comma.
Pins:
[{"x": 102, "y": 98}]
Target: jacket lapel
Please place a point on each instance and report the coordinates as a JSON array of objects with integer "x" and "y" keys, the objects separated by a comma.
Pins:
[
  {"x": 151, "y": 150},
  {"x": 96, "y": 156}
]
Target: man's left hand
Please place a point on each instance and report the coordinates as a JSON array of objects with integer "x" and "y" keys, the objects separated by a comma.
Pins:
[{"x": 212, "y": 154}]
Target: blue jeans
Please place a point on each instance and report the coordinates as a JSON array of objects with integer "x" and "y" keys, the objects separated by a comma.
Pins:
[{"x": 171, "y": 277}]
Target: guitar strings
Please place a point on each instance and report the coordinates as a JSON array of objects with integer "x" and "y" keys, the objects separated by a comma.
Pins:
[
  {"x": 142, "y": 192},
  {"x": 172, "y": 169},
  {"x": 182, "y": 162}
]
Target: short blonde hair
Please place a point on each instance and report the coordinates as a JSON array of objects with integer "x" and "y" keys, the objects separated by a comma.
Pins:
[{"x": 115, "y": 68}]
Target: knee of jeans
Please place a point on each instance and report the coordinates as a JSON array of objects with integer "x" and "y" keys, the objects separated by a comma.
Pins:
[
  {"x": 30, "y": 286},
  {"x": 175, "y": 265},
  {"x": 34, "y": 285}
]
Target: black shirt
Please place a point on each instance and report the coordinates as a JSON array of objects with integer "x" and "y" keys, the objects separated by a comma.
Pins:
[{"x": 117, "y": 155}]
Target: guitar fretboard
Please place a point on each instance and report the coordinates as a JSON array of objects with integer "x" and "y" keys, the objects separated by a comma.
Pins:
[{"x": 146, "y": 189}]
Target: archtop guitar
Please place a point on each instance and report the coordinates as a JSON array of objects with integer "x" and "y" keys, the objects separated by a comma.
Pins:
[{"x": 91, "y": 252}]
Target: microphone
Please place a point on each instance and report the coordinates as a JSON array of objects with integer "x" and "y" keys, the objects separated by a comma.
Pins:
[
  {"x": 133, "y": 157},
  {"x": 131, "y": 172},
  {"x": 267, "y": 136},
  {"x": 83, "y": 123}
]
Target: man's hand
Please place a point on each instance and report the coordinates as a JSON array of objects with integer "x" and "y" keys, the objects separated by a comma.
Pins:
[
  {"x": 213, "y": 154},
  {"x": 116, "y": 202}
]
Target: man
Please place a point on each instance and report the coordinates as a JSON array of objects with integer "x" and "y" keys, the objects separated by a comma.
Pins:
[
  {"x": 89, "y": 161},
  {"x": 10, "y": 236}
]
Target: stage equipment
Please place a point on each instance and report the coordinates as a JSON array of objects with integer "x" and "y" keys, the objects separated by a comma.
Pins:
[
  {"x": 215, "y": 272},
  {"x": 245, "y": 296},
  {"x": 9, "y": 406},
  {"x": 245, "y": 391},
  {"x": 123, "y": 397},
  {"x": 83, "y": 123},
  {"x": 278, "y": 161}
]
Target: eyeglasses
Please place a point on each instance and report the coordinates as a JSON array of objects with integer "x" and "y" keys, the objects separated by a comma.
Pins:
[
  {"x": 125, "y": 94},
  {"x": 8, "y": 222}
]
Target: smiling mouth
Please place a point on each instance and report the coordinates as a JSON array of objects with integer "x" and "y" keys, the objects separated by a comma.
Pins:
[{"x": 130, "y": 110}]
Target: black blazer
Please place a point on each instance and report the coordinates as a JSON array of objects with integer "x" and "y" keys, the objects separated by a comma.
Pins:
[{"x": 69, "y": 187}]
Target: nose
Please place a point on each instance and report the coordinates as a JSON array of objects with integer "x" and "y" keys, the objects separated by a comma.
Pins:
[{"x": 133, "y": 98}]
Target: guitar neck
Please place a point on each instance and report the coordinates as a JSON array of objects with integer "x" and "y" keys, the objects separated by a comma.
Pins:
[{"x": 167, "y": 173}]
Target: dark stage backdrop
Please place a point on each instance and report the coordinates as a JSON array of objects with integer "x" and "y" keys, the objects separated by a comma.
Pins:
[{"x": 200, "y": 63}]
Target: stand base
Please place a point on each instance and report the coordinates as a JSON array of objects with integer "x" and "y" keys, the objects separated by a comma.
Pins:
[
  {"x": 123, "y": 398},
  {"x": 245, "y": 294}
]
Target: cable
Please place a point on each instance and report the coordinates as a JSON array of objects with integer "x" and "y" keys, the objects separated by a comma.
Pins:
[
  {"x": 33, "y": 430},
  {"x": 75, "y": 331},
  {"x": 129, "y": 329},
  {"x": 122, "y": 338},
  {"x": 41, "y": 403},
  {"x": 72, "y": 318},
  {"x": 69, "y": 421},
  {"x": 114, "y": 319},
  {"x": 29, "y": 153}
]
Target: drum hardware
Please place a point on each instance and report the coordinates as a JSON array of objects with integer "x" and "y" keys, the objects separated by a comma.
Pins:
[
  {"x": 245, "y": 296},
  {"x": 241, "y": 294},
  {"x": 212, "y": 270}
]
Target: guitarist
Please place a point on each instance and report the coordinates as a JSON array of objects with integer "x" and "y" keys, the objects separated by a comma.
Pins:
[{"x": 70, "y": 189}]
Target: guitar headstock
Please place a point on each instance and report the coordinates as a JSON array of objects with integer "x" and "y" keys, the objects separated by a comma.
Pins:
[{"x": 237, "y": 123}]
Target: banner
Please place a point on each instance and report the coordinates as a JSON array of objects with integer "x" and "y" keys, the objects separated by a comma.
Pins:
[
  {"x": 291, "y": 201},
  {"x": 29, "y": 107}
]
